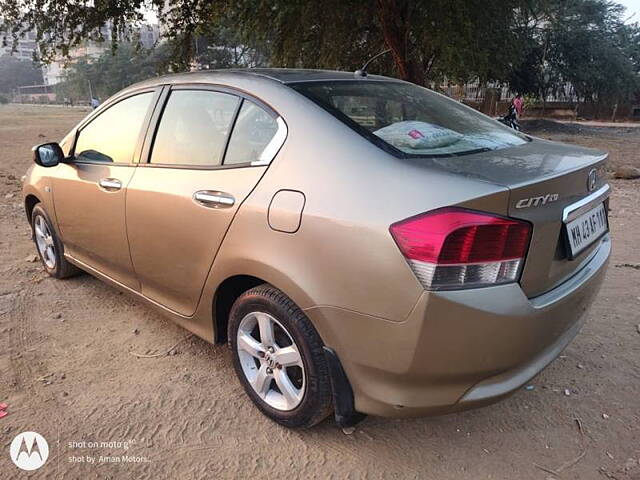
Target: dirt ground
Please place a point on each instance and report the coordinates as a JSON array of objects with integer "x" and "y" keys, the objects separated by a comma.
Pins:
[{"x": 67, "y": 373}]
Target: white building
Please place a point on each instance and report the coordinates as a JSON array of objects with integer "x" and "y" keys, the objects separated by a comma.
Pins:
[
  {"x": 25, "y": 48},
  {"x": 53, "y": 72}
]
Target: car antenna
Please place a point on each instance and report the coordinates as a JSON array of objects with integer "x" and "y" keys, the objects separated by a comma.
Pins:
[{"x": 362, "y": 72}]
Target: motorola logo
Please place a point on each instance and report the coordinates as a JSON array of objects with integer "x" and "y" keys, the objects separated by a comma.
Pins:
[{"x": 29, "y": 450}]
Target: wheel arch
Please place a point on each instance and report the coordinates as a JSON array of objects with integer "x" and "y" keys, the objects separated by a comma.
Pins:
[
  {"x": 226, "y": 294},
  {"x": 234, "y": 284},
  {"x": 30, "y": 201}
]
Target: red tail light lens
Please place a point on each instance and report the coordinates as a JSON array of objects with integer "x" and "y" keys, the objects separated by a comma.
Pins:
[{"x": 457, "y": 248}]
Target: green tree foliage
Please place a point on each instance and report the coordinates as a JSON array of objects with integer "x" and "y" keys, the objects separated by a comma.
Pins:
[
  {"x": 536, "y": 45},
  {"x": 130, "y": 63},
  {"x": 583, "y": 42},
  {"x": 16, "y": 73},
  {"x": 462, "y": 38},
  {"x": 427, "y": 39},
  {"x": 61, "y": 25},
  {"x": 217, "y": 46},
  {"x": 591, "y": 48}
]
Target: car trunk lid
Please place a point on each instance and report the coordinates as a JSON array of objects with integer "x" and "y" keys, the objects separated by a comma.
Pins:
[{"x": 546, "y": 180}]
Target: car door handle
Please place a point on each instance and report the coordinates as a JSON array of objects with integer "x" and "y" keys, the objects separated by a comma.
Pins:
[
  {"x": 110, "y": 184},
  {"x": 213, "y": 199}
]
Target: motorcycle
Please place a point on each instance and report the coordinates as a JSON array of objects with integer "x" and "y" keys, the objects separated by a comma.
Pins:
[{"x": 510, "y": 119}]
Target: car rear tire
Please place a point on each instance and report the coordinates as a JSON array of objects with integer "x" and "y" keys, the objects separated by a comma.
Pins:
[
  {"x": 49, "y": 247},
  {"x": 278, "y": 357}
]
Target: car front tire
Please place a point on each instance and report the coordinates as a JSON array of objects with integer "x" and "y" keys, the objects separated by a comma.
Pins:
[
  {"x": 278, "y": 357},
  {"x": 50, "y": 248}
]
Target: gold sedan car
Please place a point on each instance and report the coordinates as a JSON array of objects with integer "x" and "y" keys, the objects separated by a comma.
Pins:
[{"x": 365, "y": 246}]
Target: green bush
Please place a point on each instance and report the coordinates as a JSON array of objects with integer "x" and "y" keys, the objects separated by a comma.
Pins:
[{"x": 3, "y": 100}]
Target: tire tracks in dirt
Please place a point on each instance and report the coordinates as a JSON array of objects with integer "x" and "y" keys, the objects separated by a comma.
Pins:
[{"x": 29, "y": 367}]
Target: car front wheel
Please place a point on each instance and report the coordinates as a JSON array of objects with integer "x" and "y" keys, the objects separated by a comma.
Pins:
[
  {"x": 278, "y": 357},
  {"x": 49, "y": 246}
]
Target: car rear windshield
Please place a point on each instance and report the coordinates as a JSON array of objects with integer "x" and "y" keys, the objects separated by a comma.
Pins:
[{"x": 408, "y": 120}]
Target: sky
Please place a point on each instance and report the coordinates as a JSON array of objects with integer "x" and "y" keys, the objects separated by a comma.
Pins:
[{"x": 633, "y": 6}]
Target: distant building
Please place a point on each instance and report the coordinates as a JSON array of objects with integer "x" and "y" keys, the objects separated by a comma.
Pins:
[
  {"x": 149, "y": 34},
  {"x": 53, "y": 72},
  {"x": 24, "y": 50}
]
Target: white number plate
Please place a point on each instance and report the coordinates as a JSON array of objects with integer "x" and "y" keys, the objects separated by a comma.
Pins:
[{"x": 586, "y": 229}]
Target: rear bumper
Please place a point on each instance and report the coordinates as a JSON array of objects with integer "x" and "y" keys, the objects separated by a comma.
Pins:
[{"x": 458, "y": 349}]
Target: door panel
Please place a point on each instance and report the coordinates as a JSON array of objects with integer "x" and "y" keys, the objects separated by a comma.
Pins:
[
  {"x": 174, "y": 236},
  {"x": 91, "y": 217},
  {"x": 89, "y": 191},
  {"x": 181, "y": 203}
]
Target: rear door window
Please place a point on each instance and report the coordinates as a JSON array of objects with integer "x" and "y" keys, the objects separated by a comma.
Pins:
[{"x": 194, "y": 128}]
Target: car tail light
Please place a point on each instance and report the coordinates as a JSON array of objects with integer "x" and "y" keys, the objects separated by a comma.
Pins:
[{"x": 454, "y": 248}]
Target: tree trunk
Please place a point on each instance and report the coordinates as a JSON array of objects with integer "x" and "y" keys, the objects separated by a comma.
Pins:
[{"x": 395, "y": 30}]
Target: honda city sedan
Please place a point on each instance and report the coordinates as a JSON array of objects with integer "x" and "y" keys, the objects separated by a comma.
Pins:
[{"x": 364, "y": 245}]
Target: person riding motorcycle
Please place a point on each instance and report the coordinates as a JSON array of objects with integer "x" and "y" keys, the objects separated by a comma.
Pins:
[{"x": 515, "y": 110}]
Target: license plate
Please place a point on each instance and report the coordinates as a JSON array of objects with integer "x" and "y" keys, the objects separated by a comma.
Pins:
[{"x": 586, "y": 229}]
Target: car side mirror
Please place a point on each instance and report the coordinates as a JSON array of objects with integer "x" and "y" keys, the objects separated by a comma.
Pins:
[{"x": 48, "y": 154}]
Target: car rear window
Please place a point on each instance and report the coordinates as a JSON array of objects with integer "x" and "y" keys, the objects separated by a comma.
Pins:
[{"x": 409, "y": 120}]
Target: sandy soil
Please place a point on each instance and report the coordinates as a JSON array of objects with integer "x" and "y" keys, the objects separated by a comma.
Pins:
[{"x": 67, "y": 373}]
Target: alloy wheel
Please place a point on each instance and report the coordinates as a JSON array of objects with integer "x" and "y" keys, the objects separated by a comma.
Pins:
[
  {"x": 271, "y": 361},
  {"x": 45, "y": 243}
]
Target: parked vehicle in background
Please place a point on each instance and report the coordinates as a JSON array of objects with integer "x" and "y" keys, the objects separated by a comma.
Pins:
[{"x": 364, "y": 245}]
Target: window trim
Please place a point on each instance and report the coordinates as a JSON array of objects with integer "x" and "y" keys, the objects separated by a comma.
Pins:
[
  {"x": 152, "y": 129},
  {"x": 274, "y": 145},
  {"x": 103, "y": 108},
  {"x": 232, "y": 127}
]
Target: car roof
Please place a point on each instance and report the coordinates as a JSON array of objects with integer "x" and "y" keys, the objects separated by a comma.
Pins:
[
  {"x": 280, "y": 75},
  {"x": 292, "y": 75}
]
